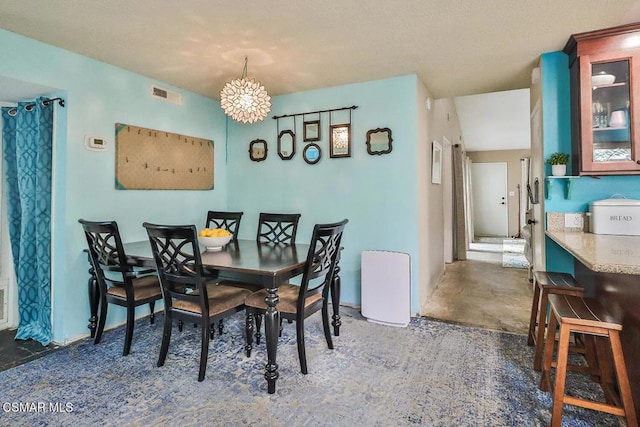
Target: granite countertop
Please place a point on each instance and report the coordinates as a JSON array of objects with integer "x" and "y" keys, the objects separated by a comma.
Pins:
[{"x": 601, "y": 252}]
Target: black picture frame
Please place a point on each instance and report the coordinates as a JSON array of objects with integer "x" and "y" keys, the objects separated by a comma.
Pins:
[
  {"x": 311, "y": 131},
  {"x": 379, "y": 141},
  {"x": 258, "y": 150},
  {"x": 340, "y": 141},
  {"x": 312, "y": 153},
  {"x": 286, "y": 144}
]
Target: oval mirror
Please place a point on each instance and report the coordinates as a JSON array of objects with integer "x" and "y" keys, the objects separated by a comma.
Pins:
[
  {"x": 379, "y": 141},
  {"x": 286, "y": 144},
  {"x": 258, "y": 150},
  {"x": 311, "y": 154}
]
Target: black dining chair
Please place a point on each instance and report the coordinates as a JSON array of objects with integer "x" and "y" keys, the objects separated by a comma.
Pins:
[
  {"x": 296, "y": 303},
  {"x": 229, "y": 221},
  {"x": 119, "y": 282},
  {"x": 273, "y": 228},
  {"x": 277, "y": 228},
  {"x": 190, "y": 293}
]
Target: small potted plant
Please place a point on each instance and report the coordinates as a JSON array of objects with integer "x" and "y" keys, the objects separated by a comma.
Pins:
[{"x": 558, "y": 162}]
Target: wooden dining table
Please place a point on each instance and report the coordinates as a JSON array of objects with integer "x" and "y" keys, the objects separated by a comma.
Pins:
[{"x": 266, "y": 264}]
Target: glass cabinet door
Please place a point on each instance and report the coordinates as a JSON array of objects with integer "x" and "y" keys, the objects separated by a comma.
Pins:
[{"x": 610, "y": 120}]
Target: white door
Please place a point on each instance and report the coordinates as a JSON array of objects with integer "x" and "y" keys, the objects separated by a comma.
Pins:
[{"x": 490, "y": 199}]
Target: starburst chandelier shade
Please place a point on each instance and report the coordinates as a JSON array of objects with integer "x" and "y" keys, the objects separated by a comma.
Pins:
[{"x": 245, "y": 100}]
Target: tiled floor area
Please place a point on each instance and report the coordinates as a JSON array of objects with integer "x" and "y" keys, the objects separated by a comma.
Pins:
[
  {"x": 476, "y": 292},
  {"x": 16, "y": 352}
]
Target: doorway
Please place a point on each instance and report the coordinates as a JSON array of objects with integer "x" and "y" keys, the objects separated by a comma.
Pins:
[{"x": 489, "y": 198}]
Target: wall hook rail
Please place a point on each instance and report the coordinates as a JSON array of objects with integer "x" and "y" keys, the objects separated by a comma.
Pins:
[{"x": 353, "y": 107}]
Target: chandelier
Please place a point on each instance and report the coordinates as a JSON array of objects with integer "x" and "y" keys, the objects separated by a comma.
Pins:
[{"x": 245, "y": 100}]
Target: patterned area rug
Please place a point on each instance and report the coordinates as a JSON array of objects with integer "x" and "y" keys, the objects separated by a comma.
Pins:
[
  {"x": 428, "y": 374},
  {"x": 513, "y": 253}
]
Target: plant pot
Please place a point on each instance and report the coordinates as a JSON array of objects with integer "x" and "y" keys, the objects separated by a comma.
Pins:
[{"x": 558, "y": 170}]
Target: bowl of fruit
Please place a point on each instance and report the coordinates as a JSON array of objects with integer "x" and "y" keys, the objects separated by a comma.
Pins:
[{"x": 213, "y": 239}]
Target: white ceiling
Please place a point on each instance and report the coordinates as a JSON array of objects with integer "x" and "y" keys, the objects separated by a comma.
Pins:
[
  {"x": 495, "y": 121},
  {"x": 456, "y": 47}
]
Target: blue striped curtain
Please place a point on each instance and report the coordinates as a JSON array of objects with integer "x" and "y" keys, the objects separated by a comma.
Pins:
[{"x": 27, "y": 147}]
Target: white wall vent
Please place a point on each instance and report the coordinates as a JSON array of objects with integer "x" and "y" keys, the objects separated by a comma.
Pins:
[{"x": 166, "y": 95}]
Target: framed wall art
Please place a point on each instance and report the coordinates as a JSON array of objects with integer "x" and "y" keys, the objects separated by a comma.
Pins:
[
  {"x": 436, "y": 162},
  {"x": 258, "y": 150},
  {"x": 286, "y": 144},
  {"x": 311, "y": 131},
  {"x": 379, "y": 141},
  {"x": 311, "y": 153},
  {"x": 340, "y": 141}
]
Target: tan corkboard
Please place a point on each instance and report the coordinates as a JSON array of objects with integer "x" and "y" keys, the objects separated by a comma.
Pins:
[{"x": 148, "y": 159}]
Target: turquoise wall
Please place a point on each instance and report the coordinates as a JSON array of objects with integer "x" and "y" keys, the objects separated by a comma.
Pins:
[
  {"x": 376, "y": 193},
  {"x": 97, "y": 96},
  {"x": 557, "y": 137}
]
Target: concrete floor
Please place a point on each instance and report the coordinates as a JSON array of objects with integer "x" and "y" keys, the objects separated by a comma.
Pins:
[{"x": 481, "y": 292}]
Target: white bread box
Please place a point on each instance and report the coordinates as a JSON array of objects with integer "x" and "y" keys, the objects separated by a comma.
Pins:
[{"x": 615, "y": 216}]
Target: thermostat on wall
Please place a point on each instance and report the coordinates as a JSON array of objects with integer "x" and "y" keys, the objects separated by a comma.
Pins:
[{"x": 95, "y": 143}]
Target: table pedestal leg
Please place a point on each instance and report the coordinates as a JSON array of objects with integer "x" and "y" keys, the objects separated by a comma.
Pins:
[
  {"x": 272, "y": 325},
  {"x": 335, "y": 302},
  {"x": 335, "y": 296},
  {"x": 94, "y": 299}
]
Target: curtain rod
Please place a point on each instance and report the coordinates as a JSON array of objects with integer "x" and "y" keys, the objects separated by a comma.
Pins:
[
  {"x": 45, "y": 102},
  {"x": 353, "y": 107}
]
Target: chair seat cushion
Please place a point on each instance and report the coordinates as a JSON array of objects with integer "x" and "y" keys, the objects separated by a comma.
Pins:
[
  {"x": 143, "y": 288},
  {"x": 221, "y": 299},
  {"x": 288, "y": 301}
]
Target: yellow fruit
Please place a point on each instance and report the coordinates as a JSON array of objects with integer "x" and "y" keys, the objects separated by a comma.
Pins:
[{"x": 213, "y": 232}]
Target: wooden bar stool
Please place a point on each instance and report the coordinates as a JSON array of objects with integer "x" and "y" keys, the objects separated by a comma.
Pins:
[
  {"x": 544, "y": 284},
  {"x": 586, "y": 316}
]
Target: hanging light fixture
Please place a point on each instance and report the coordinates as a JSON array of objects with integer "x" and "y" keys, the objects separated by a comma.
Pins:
[{"x": 245, "y": 100}]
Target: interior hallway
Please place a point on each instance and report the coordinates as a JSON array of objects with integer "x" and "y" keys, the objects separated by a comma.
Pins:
[{"x": 479, "y": 291}]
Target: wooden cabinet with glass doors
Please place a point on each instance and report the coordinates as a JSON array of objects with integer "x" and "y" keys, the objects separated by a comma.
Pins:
[{"x": 605, "y": 101}]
